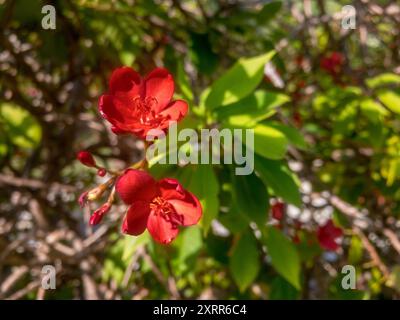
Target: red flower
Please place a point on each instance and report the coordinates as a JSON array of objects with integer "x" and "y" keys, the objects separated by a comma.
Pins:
[
  {"x": 101, "y": 172},
  {"x": 86, "y": 158},
  {"x": 328, "y": 234},
  {"x": 158, "y": 206},
  {"x": 135, "y": 105},
  {"x": 98, "y": 215},
  {"x": 278, "y": 210},
  {"x": 332, "y": 63}
]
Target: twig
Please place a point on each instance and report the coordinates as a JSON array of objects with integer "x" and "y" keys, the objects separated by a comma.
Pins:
[
  {"x": 23, "y": 292},
  {"x": 168, "y": 283},
  {"x": 372, "y": 252},
  {"x": 392, "y": 238}
]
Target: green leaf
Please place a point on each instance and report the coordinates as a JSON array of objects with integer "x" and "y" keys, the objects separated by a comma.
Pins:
[
  {"x": 131, "y": 244},
  {"x": 201, "y": 53},
  {"x": 284, "y": 256},
  {"x": 269, "y": 142},
  {"x": 189, "y": 244},
  {"x": 252, "y": 109},
  {"x": 282, "y": 290},
  {"x": 239, "y": 81},
  {"x": 391, "y": 99},
  {"x": 244, "y": 263},
  {"x": 294, "y": 136},
  {"x": 183, "y": 82},
  {"x": 383, "y": 80},
  {"x": 356, "y": 250},
  {"x": 23, "y": 129},
  {"x": 251, "y": 197},
  {"x": 278, "y": 177},
  {"x": 269, "y": 11},
  {"x": 373, "y": 110},
  {"x": 233, "y": 220}
]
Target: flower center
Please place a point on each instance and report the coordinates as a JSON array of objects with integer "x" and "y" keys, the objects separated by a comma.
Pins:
[
  {"x": 164, "y": 209},
  {"x": 145, "y": 111}
]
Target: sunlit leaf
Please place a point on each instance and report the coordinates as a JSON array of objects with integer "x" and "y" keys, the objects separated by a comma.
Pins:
[
  {"x": 284, "y": 256},
  {"x": 278, "y": 177},
  {"x": 244, "y": 262},
  {"x": 23, "y": 130},
  {"x": 269, "y": 142},
  {"x": 239, "y": 81}
]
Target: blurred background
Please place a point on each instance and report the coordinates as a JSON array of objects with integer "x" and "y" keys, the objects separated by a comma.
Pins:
[{"x": 342, "y": 102}]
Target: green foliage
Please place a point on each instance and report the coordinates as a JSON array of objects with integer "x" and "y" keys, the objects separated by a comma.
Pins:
[
  {"x": 238, "y": 82},
  {"x": 245, "y": 187},
  {"x": 284, "y": 256},
  {"x": 391, "y": 99},
  {"x": 277, "y": 176},
  {"x": 269, "y": 142},
  {"x": 282, "y": 290},
  {"x": 342, "y": 132},
  {"x": 21, "y": 128},
  {"x": 244, "y": 262},
  {"x": 251, "y": 109}
]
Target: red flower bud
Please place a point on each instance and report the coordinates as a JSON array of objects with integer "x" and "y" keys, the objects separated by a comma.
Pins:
[
  {"x": 97, "y": 216},
  {"x": 278, "y": 210},
  {"x": 101, "y": 172},
  {"x": 83, "y": 199},
  {"x": 86, "y": 158}
]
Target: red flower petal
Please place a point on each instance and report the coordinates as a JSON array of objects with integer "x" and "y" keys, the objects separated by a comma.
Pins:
[
  {"x": 278, "y": 210},
  {"x": 160, "y": 229},
  {"x": 136, "y": 185},
  {"x": 176, "y": 110},
  {"x": 189, "y": 208},
  {"x": 328, "y": 234},
  {"x": 114, "y": 113},
  {"x": 125, "y": 79},
  {"x": 135, "y": 221},
  {"x": 171, "y": 189},
  {"x": 328, "y": 243},
  {"x": 159, "y": 84}
]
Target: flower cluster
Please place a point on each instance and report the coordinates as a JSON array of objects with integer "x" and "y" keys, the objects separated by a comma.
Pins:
[
  {"x": 160, "y": 206},
  {"x": 136, "y": 105},
  {"x": 332, "y": 63},
  {"x": 327, "y": 235}
]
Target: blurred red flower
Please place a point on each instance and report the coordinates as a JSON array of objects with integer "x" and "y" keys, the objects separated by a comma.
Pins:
[
  {"x": 135, "y": 105},
  {"x": 328, "y": 234},
  {"x": 278, "y": 210},
  {"x": 161, "y": 206},
  {"x": 332, "y": 63}
]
